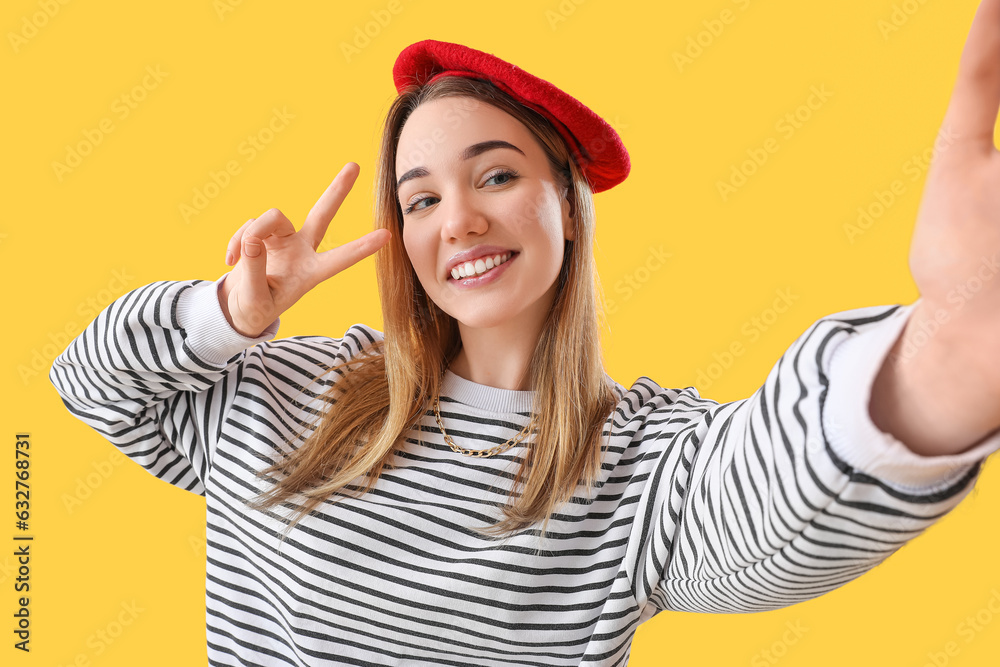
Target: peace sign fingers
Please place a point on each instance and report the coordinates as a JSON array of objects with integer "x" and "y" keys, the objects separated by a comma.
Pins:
[{"x": 326, "y": 207}]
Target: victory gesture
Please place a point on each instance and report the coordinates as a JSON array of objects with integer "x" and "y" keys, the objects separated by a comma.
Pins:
[
  {"x": 276, "y": 265},
  {"x": 942, "y": 394}
]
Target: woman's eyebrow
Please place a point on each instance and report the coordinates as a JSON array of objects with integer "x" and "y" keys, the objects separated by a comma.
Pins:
[{"x": 467, "y": 154}]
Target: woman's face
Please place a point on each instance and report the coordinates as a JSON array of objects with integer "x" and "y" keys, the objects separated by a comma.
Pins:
[{"x": 475, "y": 185}]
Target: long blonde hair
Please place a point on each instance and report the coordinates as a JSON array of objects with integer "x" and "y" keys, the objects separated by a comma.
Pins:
[{"x": 386, "y": 389}]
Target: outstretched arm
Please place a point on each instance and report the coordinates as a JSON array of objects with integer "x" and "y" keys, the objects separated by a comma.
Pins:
[
  {"x": 775, "y": 499},
  {"x": 938, "y": 391}
]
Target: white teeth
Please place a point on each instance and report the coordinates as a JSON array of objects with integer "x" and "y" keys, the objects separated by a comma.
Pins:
[{"x": 479, "y": 266}]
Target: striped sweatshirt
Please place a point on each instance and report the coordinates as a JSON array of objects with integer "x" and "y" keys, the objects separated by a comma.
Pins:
[{"x": 745, "y": 506}]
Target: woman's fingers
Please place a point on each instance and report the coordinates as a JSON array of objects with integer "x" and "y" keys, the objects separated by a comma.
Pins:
[
  {"x": 233, "y": 249},
  {"x": 337, "y": 259},
  {"x": 255, "y": 256},
  {"x": 975, "y": 98},
  {"x": 249, "y": 246},
  {"x": 257, "y": 300},
  {"x": 328, "y": 204},
  {"x": 272, "y": 221},
  {"x": 313, "y": 230}
]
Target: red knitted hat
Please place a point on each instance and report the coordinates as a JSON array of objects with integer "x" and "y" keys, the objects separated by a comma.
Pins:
[{"x": 596, "y": 147}]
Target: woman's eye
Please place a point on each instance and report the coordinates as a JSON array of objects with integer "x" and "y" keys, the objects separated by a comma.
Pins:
[
  {"x": 413, "y": 207},
  {"x": 509, "y": 175}
]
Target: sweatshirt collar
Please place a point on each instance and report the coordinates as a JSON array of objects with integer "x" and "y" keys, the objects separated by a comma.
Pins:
[{"x": 484, "y": 397}]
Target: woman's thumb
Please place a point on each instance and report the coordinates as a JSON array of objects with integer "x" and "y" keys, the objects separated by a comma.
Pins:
[{"x": 255, "y": 258}]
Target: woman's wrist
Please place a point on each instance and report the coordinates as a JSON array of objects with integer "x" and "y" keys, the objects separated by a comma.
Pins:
[{"x": 223, "y": 293}]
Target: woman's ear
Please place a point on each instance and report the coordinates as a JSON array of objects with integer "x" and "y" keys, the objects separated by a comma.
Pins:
[{"x": 569, "y": 214}]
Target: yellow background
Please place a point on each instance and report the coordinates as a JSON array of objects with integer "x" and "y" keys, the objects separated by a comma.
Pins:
[{"x": 113, "y": 224}]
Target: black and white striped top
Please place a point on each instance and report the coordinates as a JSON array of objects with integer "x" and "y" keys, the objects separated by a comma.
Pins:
[{"x": 738, "y": 507}]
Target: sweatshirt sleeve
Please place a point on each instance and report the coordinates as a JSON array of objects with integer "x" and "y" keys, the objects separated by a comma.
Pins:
[
  {"x": 155, "y": 374},
  {"x": 776, "y": 499}
]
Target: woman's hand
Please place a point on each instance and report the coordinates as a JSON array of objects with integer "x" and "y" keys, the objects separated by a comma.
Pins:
[
  {"x": 941, "y": 394},
  {"x": 956, "y": 243},
  {"x": 276, "y": 265}
]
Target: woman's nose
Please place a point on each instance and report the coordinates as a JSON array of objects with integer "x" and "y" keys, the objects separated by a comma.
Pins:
[{"x": 462, "y": 217}]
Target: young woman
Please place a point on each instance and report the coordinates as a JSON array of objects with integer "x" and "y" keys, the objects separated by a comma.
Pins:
[{"x": 470, "y": 487}]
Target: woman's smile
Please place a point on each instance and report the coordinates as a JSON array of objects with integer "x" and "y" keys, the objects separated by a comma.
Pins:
[
  {"x": 479, "y": 222},
  {"x": 482, "y": 271}
]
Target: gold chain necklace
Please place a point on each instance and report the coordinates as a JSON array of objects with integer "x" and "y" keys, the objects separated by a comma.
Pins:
[{"x": 479, "y": 453}]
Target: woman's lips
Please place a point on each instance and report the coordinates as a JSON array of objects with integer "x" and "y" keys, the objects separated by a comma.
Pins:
[
  {"x": 484, "y": 278},
  {"x": 479, "y": 265}
]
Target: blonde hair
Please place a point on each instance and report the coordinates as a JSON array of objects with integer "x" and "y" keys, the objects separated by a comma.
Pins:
[{"x": 388, "y": 385}]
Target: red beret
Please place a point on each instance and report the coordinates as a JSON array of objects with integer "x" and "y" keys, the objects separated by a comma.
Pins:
[{"x": 596, "y": 147}]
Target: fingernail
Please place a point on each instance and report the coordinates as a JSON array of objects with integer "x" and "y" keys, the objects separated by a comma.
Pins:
[{"x": 252, "y": 249}]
